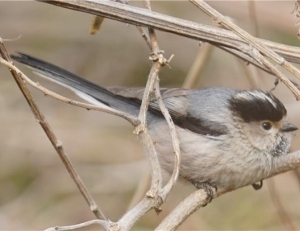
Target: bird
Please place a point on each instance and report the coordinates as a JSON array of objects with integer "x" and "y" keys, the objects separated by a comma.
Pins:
[{"x": 228, "y": 137}]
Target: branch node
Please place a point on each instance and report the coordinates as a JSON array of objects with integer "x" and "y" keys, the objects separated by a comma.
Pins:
[
  {"x": 58, "y": 144},
  {"x": 158, "y": 56},
  {"x": 158, "y": 210},
  {"x": 138, "y": 129},
  {"x": 151, "y": 193},
  {"x": 94, "y": 208},
  {"x": 114, "y": 226}
]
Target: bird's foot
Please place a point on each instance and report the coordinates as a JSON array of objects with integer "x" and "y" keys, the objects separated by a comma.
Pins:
[
  {"x": 257, "y": 185},
  {"x": 207, "y": 187}
]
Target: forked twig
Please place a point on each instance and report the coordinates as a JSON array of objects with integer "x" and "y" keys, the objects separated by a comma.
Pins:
[
  {"x": 257, "y": 47},
  {"x": 159, "y": 58},
  {"x": 142, "y": 131},
  {"x": 175, "y": 141}
]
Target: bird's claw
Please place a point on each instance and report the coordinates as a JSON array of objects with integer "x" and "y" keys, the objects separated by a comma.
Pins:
[
  {"x": 257, "y": 185},
  {"x": 207, "y": 187}
]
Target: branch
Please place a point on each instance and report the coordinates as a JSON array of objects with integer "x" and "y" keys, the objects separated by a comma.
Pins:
[
  {"x": 283, "y": 215},
  {"x": 133, "y": 120},
  {"x": 157, "y": 57},
  {"x": 141, "y": 17},
  {"x": 150, "y": 201},
  {"x": 175, "y": 141},
  {"x": 57, "y": 144},
  {"x": 255, "y": 44},
  {"x": 198, "y": 199},
  {"x": 104, "y": 223},
  {"x": 142, "y": 131},
  {"x": 182, "y": 211},
  {"x": 201, "y": 59}
]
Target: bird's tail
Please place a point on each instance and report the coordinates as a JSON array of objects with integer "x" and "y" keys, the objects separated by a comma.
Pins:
[{"x": 87, "y": 90}]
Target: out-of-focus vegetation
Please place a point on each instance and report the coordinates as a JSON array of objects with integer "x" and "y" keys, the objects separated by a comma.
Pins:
[{"x": 36, "y": 191}]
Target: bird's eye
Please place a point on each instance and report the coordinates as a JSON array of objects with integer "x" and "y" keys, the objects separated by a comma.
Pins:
[{"x": 266, "y": 125}]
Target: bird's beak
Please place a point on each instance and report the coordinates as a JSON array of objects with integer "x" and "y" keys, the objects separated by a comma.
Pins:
[{"x": 288, "y": 127}]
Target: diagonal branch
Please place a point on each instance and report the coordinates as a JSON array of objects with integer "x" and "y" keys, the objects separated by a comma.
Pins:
[
  {"x": 255, "y": 44},
  {"x": 142, "y": 17},
  {"x": 57, "y": 144},
  {"x": 198, "y": 199},
  {"x": 131, "y": 119}
]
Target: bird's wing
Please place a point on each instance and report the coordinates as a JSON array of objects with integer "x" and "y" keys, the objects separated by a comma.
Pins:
[
  {"x": 174, "y": 99},
  {"x": 177, "y": 101}
]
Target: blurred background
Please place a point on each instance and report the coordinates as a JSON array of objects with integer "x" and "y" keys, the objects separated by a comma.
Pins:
[{"x": 36, "y": 192}]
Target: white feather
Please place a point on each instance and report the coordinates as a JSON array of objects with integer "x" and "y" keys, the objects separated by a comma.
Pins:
[{"x": 81, "y": 94}]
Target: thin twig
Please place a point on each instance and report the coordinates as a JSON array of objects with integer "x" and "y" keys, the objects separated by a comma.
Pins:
[
  {"x": 103, "y": 223},
  {"x": 142, "y": 131},
  {"x": 253, "y": 74},
  {"x": 194, "y": 73},
  {"x": 175, "y": 141},
  {"x": 246, "y": 58},
  {"x": 144, "y": 35},
  {"x": 257, "y": 45},
  {"x": 285, "y": 219},
  {"x": 140, "y": 191},
  {"x": 284, "y": 216},
  {"x": 296, "y": 11},
  {"x": 132, "y": 216},
  {"x": 96, "y": 24},
  {"x": 144, "y": 181},
  {"x": 198, "y": 199},
  {"x": 158, "y": 58},
  {"x": 182, "y": 211},
  {"x": 138, "y": 16},
  {"x": 253, "y": 16},
  {"x": 57, "y": 144},
  {"x": 278, "y": 73},
  {"x": 297, "y": 175},
  {"x": 133, "y": 120}
]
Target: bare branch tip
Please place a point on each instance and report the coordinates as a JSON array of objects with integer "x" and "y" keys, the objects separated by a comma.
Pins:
[
  {"x": 158, "y": 210},
  {"x": 93, "y": 208},
  {"x": 151, "y": 194},
  {"x": 159, "y": 57}
]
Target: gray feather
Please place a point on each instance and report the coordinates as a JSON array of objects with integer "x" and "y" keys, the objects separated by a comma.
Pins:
[{"x": 188, "y": 108}]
